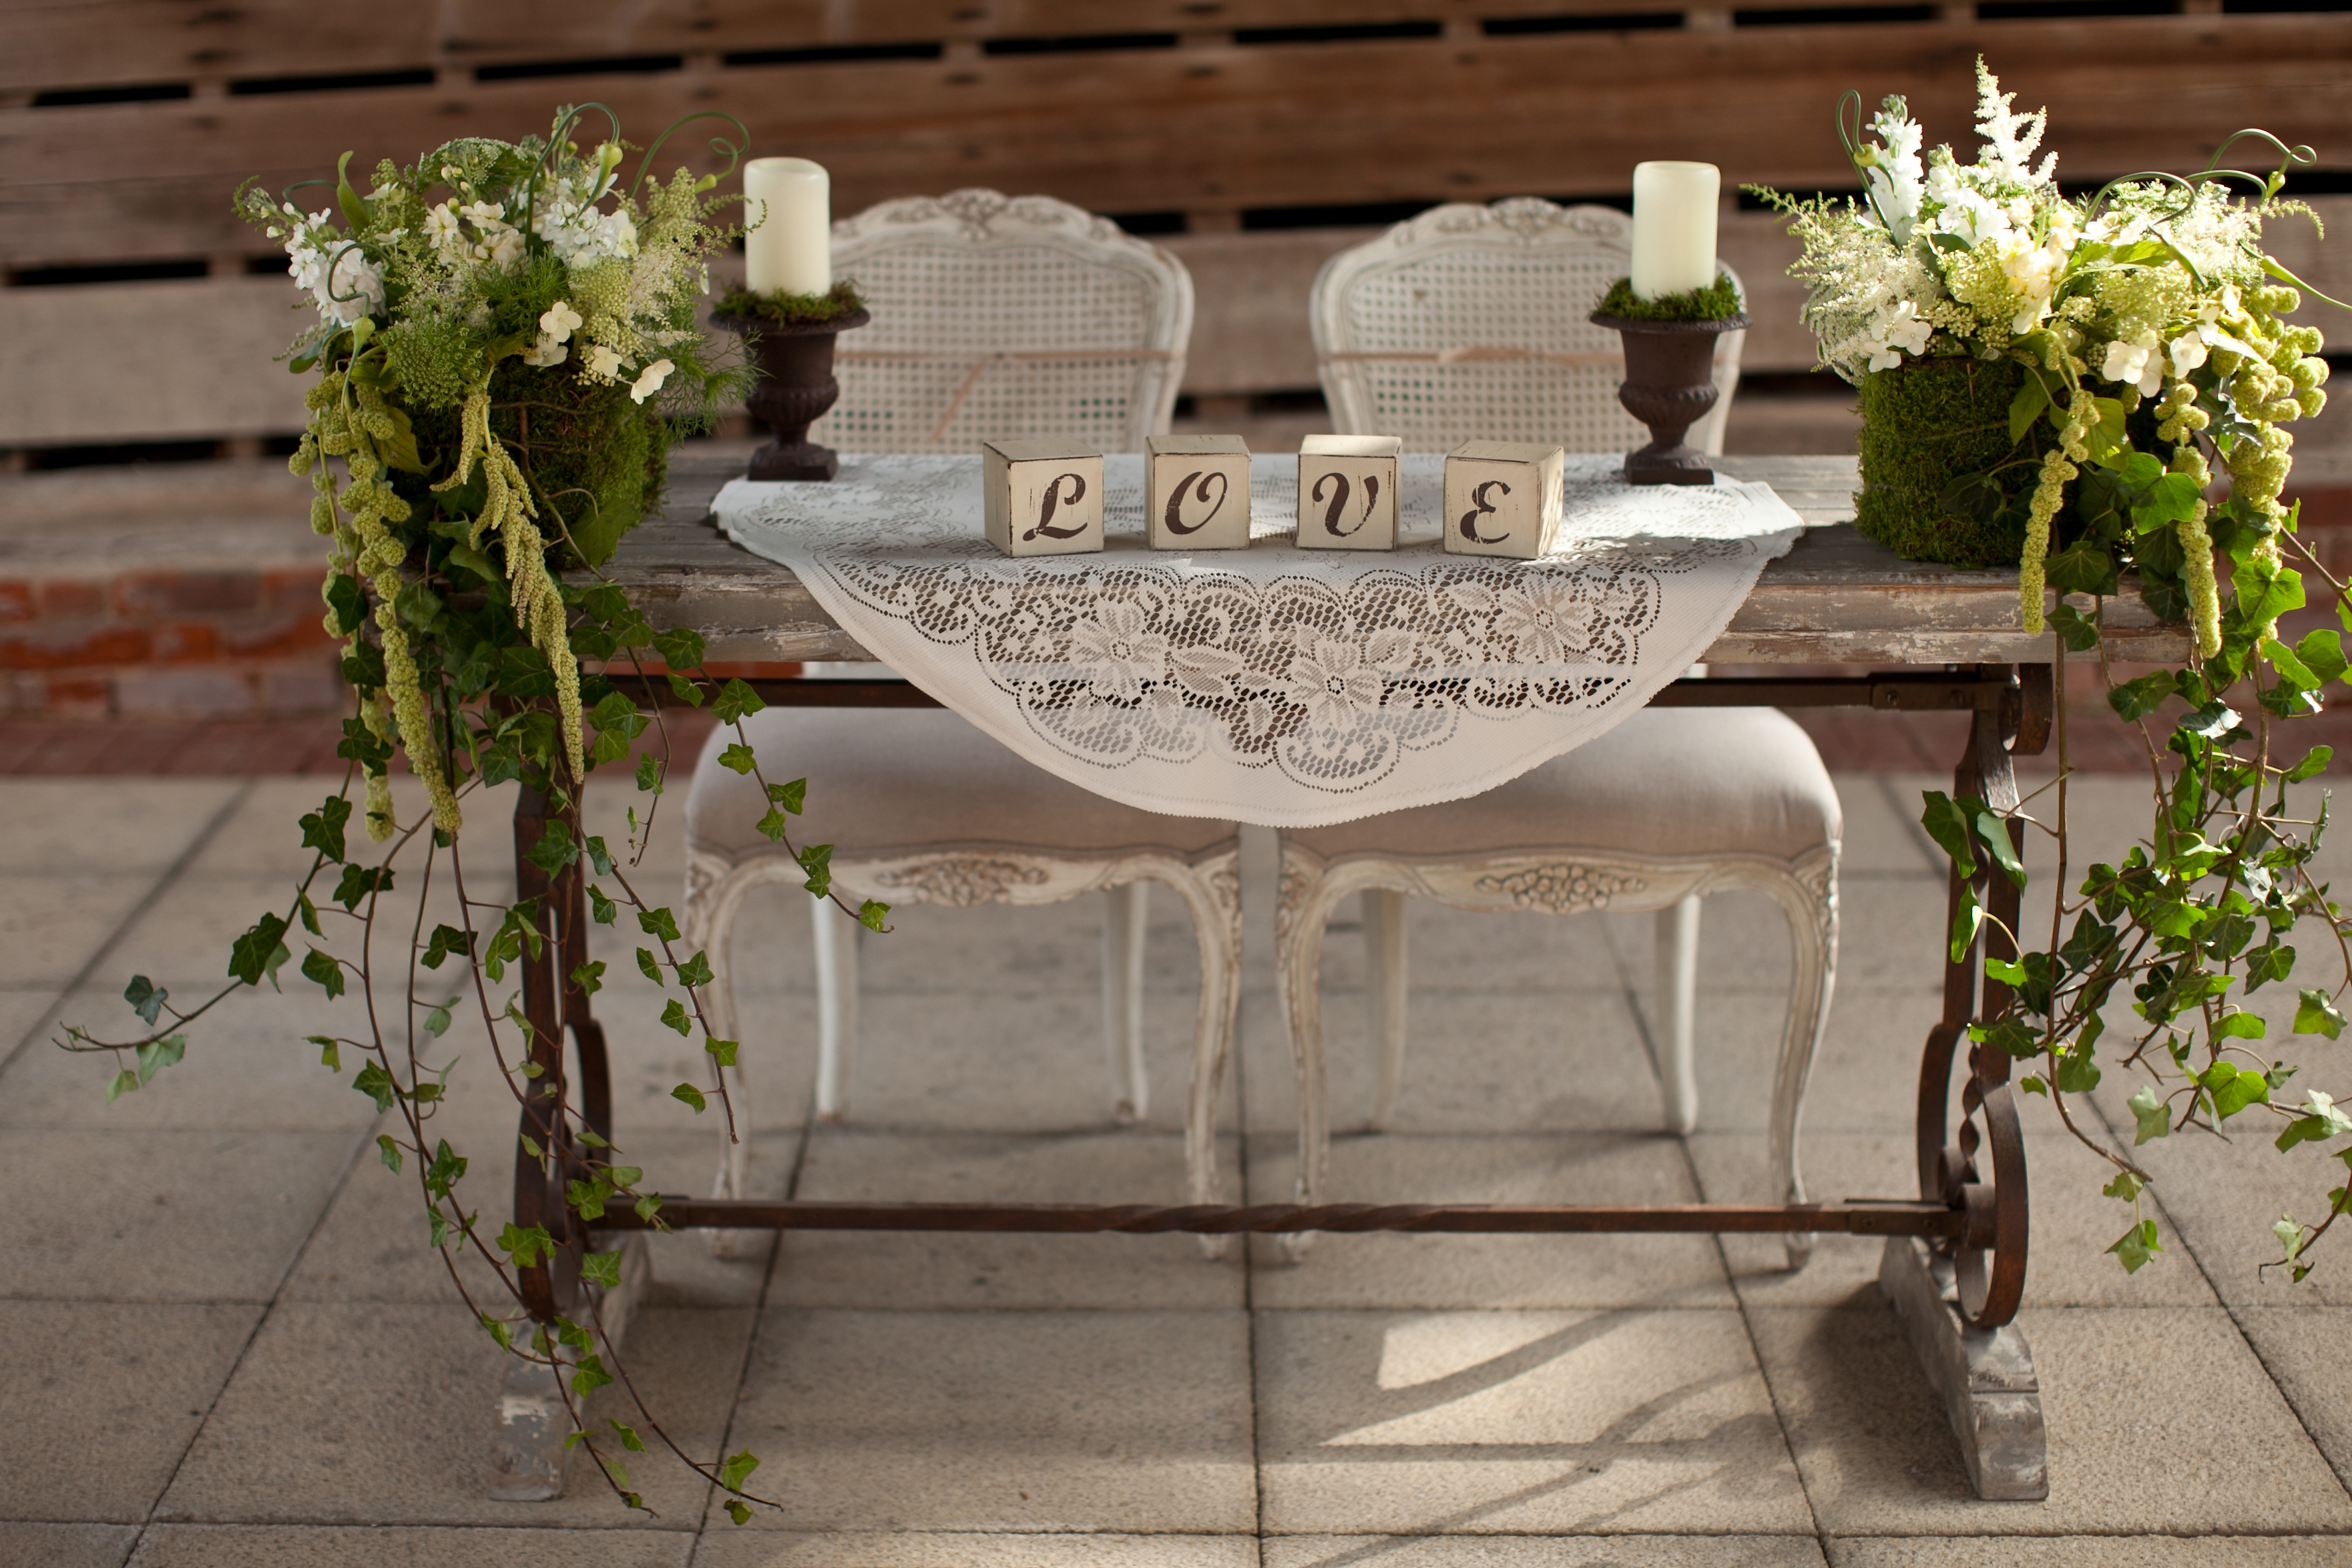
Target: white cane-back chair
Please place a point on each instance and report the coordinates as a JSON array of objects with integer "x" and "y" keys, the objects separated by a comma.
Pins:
[
  {"x": 993, "y": 317},
  {"x": 1000, "y": 315},
  {"x": 1470, "y": 321}
]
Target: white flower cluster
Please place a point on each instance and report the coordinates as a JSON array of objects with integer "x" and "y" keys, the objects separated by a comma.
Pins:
[
  {"x": 337, "y": 275},
  {"x": 580, "y": 232}
]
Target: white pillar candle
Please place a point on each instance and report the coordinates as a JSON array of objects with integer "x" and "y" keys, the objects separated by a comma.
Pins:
[
  {"x": 791, "y": 251},
  {"x": 1673, "y": 227}
]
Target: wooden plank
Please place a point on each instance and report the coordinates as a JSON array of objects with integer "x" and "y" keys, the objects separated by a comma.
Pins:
[
  {"x": 1836, "y": 597},
  {"x": 1228, "y": 127},
  {"x": 85, "y": 43}
]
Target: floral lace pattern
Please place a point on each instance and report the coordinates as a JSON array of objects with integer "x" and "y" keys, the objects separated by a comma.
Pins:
[{"x": 1277, "y": 685}]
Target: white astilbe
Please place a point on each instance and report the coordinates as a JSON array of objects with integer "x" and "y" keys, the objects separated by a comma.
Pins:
[{"x": 2010, "y": 138}]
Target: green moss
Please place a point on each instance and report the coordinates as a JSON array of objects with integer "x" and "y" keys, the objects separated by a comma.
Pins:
[
  {"x": 791, "y": 307},
  {"x": 1713, "y": 303},
  {"x": 596, "y": 460},
  {"x": 1923, "y": 425}
]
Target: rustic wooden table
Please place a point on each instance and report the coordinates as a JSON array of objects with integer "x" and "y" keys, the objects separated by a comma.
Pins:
[{"x": 1955, "y": 1258}]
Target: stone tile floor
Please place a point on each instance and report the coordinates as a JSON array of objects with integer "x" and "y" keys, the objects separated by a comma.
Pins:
[{"x": 223, "y": 1340}]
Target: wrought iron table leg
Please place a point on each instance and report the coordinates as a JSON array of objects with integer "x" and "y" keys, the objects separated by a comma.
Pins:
[
  {"x": 1958, "y": 1299},
  {"x": 529, "y": 1460}
]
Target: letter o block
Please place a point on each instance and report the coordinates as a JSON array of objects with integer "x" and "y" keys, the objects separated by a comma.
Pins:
[
  {"x": 1196, "y": 492},
  {"x": 1042, "y": 497},
  {"x": 1502, "y": 497},
  {"x": 1347, "y": 492}
]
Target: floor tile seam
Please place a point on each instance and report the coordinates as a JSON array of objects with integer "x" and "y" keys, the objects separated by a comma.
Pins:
[
  {"x": 1915, "y": 832},
  {"x": 274, "y": 1523},
  {"x": 105, "y": 950},
  {"x": 245, "y": 1347},
  {"x": 1627, "y": 985}
]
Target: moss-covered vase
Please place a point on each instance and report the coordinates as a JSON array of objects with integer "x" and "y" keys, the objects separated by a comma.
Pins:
[{"x": 1924, "y": 424}]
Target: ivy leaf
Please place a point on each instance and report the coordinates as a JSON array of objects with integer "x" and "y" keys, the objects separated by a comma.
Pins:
[
  {"x": 309, "y": 911},
  {"x": 2033, "y": 397},
  {"x": 680, "y": 647},
  {"x": 2320, "y": 1121},
  {"x": 685, "y": 691},
  {"x": 723, "y": 1050},
  {"x": 2317, "y": 1015},
  {"x": 121, "y": 1083},
  {"x": 651, "y": 966},
  {"x": 2290, "y": 668},
  {"x": 2126, "y": 1185},
  {"x": 674, "y": 1015},
  {"x": 817, "y": 860},
  {"x": 738, "y": 1511},
  {"x": 872, "y": 914},
  {"x": 1966, "y": 918},
  {"x": 388, "y": 1150},
  {"x": 2077, "y": 1073},
  {"x": 650, "y": 1205},
  {"x": 601, "y": 907},
  {"x": 259, "y": 951},
  {"x": 357, "y": 884},
  {"x": 2136, "y": 699},
  {"x": 775, "y": 824},
  {"x": 1948, "y": 826},
  {"x": 146, "y": 999},
  {"x": 374, "y": 1082},
  {"x": 2240, "y": 1026},
  {"x": 1994, "y": 834},
  {"x": 735, "y": 702},
  {"x": 2079, "y": 635},
  {"x": 691, "y": 1096},
  {"x": 322, "y": 830},
  {"x": 2313, "y": 763},
  {"x": 322, "y": 968},
  {"x": 658, "y": 922},
  {"x": 348, "y": 602},
  {"x": 2082, "y": 568},
  {"x": 2274, "y": 962},
  {"x": 555, "y": 849},
  {"x": 598, "y": 855},
  {"x": 525, "y": 1246},
  {"x": 159, "y": 1054},
  {"x": 2322, "y": 652},
  {"x": 330, "y": 1056},
  {"x": 2291, "y": 1236},
  {"x": 736, "y": 1470},
  {"x": 2216, "y": 721},
  {"x": 738, "y": 756},
  {"x": 589, "y": 977},
  {"x": 2135, "y": 1247},
  {"x": 694, "y": 971},
  {"x": 2266, "y": 592},
  {"x": 792, "y": 797},
  {"x": 446, "y": 940},
  {"x": 437, "y": 1019},
  {"x": 2155, "y": 1118},
  {"x": 2233, "y": 1088}
]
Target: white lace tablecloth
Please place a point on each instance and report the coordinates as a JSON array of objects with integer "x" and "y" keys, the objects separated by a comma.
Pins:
[{"x": 1274, "y": 686}]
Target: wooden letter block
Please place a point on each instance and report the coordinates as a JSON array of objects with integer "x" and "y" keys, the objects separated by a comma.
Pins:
[
  {"x": 1042, "y": 497},
  {"x": 1502, "y": 497},
  {"x": 1347, "y": 492},
  {"x": 1196, "y": 492}
]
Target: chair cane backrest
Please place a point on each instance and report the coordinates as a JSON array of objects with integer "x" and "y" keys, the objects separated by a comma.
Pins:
[
  {"x": 1470, "y": 322},
  {"x": 1004, "y": 317}
]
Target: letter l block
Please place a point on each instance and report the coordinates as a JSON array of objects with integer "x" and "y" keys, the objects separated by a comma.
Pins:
[{"x": 1042, "y": 497}]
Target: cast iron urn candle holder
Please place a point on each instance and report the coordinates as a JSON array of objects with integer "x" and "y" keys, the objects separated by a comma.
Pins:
[
  {"x": 1669, "y": 386},
  {"x": 794, "y": 387}
]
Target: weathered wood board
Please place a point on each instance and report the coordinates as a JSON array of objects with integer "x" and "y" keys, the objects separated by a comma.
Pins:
[{"x": 1836, "y": 597}]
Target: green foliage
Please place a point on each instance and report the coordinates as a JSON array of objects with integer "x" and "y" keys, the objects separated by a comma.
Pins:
[
  {"x": 842, "y": 299},
  {"x": 1923, "y": 424}
]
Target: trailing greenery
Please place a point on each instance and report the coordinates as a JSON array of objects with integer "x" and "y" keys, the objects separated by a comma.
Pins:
[
  {"x": 841, "y": 300},
  {"x": 506, "y": 347},
  {"x": 2057, "y": 381},
  {"x": 1717, "y": 301}
]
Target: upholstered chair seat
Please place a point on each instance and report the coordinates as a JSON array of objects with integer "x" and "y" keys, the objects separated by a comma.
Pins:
[
  {"x": 1671, "y": 805},
  {"x": 922, "y": 808}
]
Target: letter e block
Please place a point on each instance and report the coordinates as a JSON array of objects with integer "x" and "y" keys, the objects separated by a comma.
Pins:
[
  {"x": 1502, "y": 497},
  {"x": 1196, "y": 492},
  {"x": 1347, "y": 492},
  {"x": 1042, "y": 497}
]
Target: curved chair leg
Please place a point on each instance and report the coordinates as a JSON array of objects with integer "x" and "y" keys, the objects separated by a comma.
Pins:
[
  {"x": 1299, "y": 960},
  {"x": 1384, "y": 954},
  {"x": 835, "y": 934},
  {"x": 1125, "y": 912},
  {"x": 1212, "y": 892},
  {"x": 1808, "y": 898},
  {"x": 1673, "y": 1001}
]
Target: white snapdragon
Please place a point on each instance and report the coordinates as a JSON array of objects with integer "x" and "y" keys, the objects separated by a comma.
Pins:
[
  {"x": 650, "y": 380},
  {"x": 1893, "y": 171}
]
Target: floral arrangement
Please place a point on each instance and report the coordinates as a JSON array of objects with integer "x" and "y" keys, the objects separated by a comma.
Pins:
[
  {"x": 2140, "y": 328},
  {"x": 2093, "y": 364},
  {"x": 505, "y": 344}
]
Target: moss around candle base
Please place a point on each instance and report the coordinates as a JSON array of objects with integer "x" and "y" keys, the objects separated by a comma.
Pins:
[
  {"x": 1923, "y": 425},
  {"x": 1720, "y": 301}
]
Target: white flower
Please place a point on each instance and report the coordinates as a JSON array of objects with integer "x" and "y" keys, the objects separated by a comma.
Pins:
[
  {"x": 548, "y": 351},
  {"x": 488, "y": 216},
  {"x": 441, "y": 227},
  {"x": 560, "y": 321},
  {"x": 650, "y": 380},
  {"x": 504, "y": 250},
  {"x": 353, "y": 289},
  {"x": 1893, "y": 170},
  {"x": 604, "y": 363},
  {"x": 2188, "y": 352},
  {"x": 2032, "y": 270},
  {"x": 2136, "y": 360}
]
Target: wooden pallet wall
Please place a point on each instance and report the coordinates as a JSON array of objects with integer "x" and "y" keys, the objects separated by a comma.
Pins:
[{"x": 1231, "y": 113}]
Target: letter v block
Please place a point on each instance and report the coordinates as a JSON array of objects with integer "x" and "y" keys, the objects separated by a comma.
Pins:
[
  {"x": 1196, "y": 492},
  {"x": 1347, "y": 492},
  {"x": 1042, "y": 497},
  {"x": 1502, "y": 497}
]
